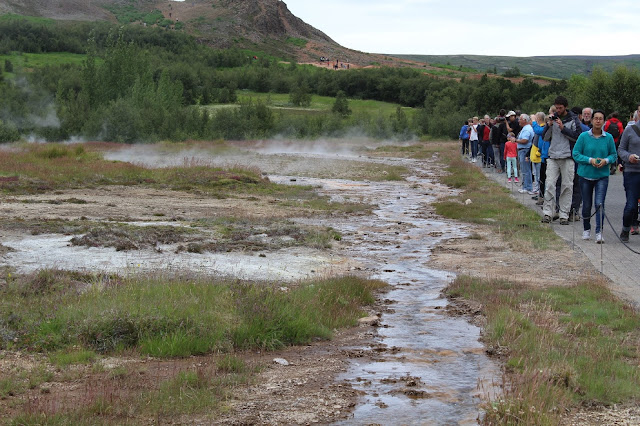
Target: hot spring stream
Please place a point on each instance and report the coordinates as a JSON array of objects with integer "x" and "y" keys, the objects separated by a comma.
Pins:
[{"x": 432, "y": 369}]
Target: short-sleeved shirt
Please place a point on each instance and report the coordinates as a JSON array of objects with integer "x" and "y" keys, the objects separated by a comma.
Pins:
[{"x": 526, "y": 133}]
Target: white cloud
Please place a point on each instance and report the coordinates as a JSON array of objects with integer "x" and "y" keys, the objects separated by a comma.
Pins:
[{"x": 468, "y": 27}]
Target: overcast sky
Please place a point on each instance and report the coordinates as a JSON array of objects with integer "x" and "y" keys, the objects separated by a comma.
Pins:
[{"x": 442, "y": 27}]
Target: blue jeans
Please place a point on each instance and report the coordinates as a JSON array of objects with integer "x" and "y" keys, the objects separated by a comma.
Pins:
[
  {"x": 587, "y": 188},
  {"x": 535, "y": 167},
  {"x": 525, "y": 167},
  {"x": 512, "y": 164},
  {"x": 474, "y": 149},
  {"x": 632, "y": 189}
]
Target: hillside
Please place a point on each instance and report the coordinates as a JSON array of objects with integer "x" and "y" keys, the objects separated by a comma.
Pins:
[
  {"x": 259, "y": 25},
  {"x": 550, "y": 66}
]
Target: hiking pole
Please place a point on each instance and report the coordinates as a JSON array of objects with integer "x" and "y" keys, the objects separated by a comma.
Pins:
[{"x": 602, "y": 240}]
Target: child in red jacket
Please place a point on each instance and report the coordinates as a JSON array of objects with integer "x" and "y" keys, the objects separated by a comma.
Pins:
[{"x": 511, "y": 156}]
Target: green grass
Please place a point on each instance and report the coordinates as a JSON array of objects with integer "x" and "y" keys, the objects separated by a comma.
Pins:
[
  {"x": 44, "y": 168},
  {"x": 32, "y": 19},
  {"x": 563, "y": 346},
  {"x": 27, "y": 61},
  {"x": 492, "y": 205},
  {"x": 171, "y": 317},
  {"x": 322, "y": 103},
  {"x": 65, "y": 358},
  {"x": 455, "y": 68},
  {"x": 300, "y": 42}
]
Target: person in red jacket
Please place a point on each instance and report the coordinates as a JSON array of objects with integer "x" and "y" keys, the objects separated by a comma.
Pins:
[{"x": 614, "y": 127}]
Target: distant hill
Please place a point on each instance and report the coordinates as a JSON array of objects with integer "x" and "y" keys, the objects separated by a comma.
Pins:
[
  {"x": 261, "y": 25},
  {"x": 549, "y": 66},
  {"x": 268, "y": 26}
]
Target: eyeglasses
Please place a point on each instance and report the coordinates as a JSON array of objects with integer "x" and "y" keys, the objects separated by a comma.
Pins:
[{"x": 597, "y": 118}]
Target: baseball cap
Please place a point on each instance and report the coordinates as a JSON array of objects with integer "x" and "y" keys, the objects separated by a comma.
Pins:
[{"x": 510, "y": 113}]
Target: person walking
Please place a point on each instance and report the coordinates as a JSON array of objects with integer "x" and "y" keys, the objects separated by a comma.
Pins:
[
  {"x": 593, "y": 152},
  {"x": 629, "y": 153},
  {"x": 562, "y": 130}
]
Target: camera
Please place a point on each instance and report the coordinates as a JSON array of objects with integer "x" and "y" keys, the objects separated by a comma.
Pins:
[{"x": 553, "y": 117}]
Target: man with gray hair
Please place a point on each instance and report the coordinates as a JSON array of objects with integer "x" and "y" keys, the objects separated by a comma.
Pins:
[
  {"x": 524, "y": 141},
  {"x": 586, "y": 119}
]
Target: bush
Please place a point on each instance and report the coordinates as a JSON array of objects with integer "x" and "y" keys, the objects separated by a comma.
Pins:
[
  {"x": 8, "y": 132},
  {"x": 341, "y": 105}
]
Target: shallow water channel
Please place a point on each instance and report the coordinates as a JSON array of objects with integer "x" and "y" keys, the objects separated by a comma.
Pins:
[{"x": 429, "y": 367}]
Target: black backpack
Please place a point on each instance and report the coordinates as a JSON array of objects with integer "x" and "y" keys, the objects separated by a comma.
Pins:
[{"x": 613, "y": 130}]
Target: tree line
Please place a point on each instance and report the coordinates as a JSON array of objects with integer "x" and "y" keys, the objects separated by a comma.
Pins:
[{"x": 147, "y": 84}]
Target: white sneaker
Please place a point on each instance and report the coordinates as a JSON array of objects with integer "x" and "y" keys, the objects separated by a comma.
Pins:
[
  {"x": 473, "y": 161},
  {"x": 522, "y": 191},
  {"x": 586, "y": 234},
  {"x": 599, "y": 238}
]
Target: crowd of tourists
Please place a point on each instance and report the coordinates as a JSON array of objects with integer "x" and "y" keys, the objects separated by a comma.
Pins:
[{"x": 563, "y": 159}]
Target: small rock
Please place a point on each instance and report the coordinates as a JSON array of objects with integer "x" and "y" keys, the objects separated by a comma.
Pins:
[
  {"x": 468, "y": 201},
  {"x": 281, "y": 361},
  {"x": 369, "y": 320}
]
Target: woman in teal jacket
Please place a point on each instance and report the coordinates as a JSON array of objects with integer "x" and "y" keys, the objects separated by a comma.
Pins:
[{"x": 594, "y": 151}]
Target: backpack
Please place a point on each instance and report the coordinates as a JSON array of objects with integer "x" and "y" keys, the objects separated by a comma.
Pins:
[{"x": 613, "y": 130}]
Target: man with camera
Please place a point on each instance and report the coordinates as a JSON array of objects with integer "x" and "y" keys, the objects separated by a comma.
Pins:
[{"x": 562, "y": 131}]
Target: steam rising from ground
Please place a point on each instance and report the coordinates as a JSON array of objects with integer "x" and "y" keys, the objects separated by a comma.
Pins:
[{"x": 270, "y": 156}]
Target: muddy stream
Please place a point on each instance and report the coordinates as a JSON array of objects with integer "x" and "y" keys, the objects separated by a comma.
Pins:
[{"x": 427, "y": 368}]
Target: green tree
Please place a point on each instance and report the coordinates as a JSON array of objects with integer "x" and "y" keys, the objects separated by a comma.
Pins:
[
  {"x": 512, "y": 72},
  {"x": 300, "y": 96},
  {"x": 400, "y": 124},
  {"x": 341, "y": 105},
  {"x": 8, "y": 66}
]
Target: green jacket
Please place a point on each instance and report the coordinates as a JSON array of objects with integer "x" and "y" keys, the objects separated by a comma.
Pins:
[{"x": 587, "y": 147}]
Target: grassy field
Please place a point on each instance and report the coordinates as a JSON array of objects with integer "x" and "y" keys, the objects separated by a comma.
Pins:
[
  {"x": 321, "y": 103},
  {"x": 77, "y": 320},
  {"x": 26, "y": 61}
]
